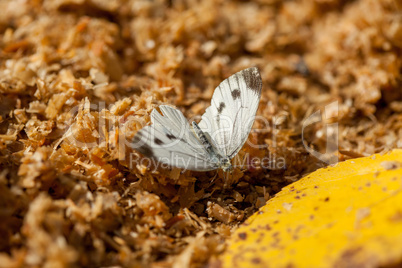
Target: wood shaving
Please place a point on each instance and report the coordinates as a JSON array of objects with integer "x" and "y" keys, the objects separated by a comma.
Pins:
[{"x": 79, "y": 78}]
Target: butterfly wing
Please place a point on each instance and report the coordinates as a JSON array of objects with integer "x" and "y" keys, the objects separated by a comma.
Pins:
[
  {"x": 171, "y": 141},
  {"x": 229, "y": 119}
]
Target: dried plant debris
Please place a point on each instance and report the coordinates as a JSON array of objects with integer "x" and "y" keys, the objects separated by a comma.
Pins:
[{"x": 78, "y": 79}]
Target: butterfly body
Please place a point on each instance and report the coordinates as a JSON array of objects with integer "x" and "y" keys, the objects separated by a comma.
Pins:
[
  {"x": 216, "y": 139},
  {"x": 222, "y": 162}
]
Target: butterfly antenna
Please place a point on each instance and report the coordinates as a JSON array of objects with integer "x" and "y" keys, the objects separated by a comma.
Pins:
[
  {"x": 213, "y": 179},
  {"x": 226, "y": 185}
]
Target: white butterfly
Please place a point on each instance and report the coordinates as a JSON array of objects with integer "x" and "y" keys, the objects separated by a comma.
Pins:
[{"x": 218, "y": 137}]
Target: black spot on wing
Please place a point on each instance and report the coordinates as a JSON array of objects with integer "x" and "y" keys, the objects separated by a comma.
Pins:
[
  {"x": 253, "y": 80},
  {"x": 143, "y": 148},
  {"x": 146, "y": 150},
  {"x": 235, "y": 94},
  {"x": 158, "y": 141},
  {"x": 137, "y": 138},
  {"x": 170, "y": 136},
  {"x": 221, "y": 106}
]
